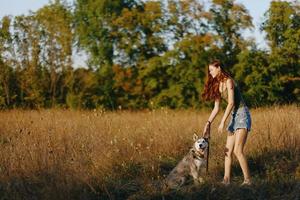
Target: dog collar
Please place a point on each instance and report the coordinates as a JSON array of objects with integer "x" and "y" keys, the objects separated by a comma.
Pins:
[{"x": 197, "y": 155}]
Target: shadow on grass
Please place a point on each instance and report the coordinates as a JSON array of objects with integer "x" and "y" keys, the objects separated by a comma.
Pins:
[
  {"x": 275, "y": 175},
  {"x": 43, "y": 186}
]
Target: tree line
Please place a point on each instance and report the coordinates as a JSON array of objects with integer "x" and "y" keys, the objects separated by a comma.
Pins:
[{"x": 145, "y": 54}]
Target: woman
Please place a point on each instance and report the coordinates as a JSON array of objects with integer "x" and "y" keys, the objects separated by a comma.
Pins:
[{"x": 220, "y": 85}]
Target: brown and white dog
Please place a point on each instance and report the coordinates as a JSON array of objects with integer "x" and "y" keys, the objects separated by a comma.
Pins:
[{"x": 192, "y": 165}]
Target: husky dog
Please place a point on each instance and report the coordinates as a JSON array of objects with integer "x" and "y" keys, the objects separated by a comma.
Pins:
[{"x": 191, "y": 165}]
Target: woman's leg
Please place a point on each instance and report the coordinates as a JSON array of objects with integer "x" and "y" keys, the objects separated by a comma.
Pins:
[
  {"x": 228, "y": 157},
  {"x": 240, "y": 140}
]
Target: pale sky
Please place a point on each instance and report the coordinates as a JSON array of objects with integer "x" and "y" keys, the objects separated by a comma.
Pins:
[{"x": 256, "y": 8}]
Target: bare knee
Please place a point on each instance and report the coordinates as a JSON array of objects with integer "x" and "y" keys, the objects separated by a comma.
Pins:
[
  {"x": 238, "y": 153},
  {"x": 227, "y": 152}
]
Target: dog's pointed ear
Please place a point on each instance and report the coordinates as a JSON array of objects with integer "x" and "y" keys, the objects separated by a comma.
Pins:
[{"x": 195, "y": 137}]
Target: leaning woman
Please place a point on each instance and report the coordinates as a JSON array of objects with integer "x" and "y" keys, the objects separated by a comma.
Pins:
[{"x": 220, "y": 85}]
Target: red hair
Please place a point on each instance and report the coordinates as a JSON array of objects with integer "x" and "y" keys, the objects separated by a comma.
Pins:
[{"x": 211, "y": 87}]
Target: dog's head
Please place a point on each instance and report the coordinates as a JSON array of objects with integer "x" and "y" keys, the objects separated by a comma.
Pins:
[{"x": 200, "y": 144}]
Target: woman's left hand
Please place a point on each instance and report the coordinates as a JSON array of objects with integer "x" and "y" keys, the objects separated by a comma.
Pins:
[{"x": 221, "y": 127}]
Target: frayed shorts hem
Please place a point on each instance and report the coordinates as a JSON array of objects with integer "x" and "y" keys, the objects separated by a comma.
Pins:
[
  {"x": 233, "y": 131},
  {"x": 240, "y": 118}
]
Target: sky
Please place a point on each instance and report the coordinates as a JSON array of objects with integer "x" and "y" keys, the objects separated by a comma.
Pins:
[{"x": 257, "y": 8}]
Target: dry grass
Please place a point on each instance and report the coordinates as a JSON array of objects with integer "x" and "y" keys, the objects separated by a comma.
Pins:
[{"x": 63, "y": 154}]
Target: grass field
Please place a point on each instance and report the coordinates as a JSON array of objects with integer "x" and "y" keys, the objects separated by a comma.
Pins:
[{"x": 63, "y": 154}]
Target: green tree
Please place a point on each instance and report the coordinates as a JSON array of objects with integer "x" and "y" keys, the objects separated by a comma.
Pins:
[
  {"x": 175, "y": 79},
  {"x": 27, "y": 62},
  {"x": 6, "y": 72},
  {"x": 83, "y": 93},
  {"x": 253, "y": 76},
  {"x": 139, "y": 39},
  {"x": 185, "y": 18},
  {"x": 282, "y": 25},
  {"x": 55, "y": 35},
  {"x": 93, "y": 24},
  {"x": 228, "y": 20},
  {"x": 138, "y": 33},
  {"x": 93, "y": 21}
]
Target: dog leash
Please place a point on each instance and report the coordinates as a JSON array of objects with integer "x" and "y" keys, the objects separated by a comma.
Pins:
[
  {"x": 207, "y": 157},
  {"x": 208, "y": 146}
]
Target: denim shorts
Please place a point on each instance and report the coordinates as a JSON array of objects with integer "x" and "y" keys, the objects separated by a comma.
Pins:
[{"x": 240, "y": 118}]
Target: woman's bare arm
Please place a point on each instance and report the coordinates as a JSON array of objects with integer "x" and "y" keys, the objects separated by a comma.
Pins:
[
  {"x": 212, "y": 117},
  {"x": 214, "y": 111}
]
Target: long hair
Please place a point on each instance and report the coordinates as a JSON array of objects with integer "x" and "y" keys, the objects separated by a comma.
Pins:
[{"x": 211, "y": 87}]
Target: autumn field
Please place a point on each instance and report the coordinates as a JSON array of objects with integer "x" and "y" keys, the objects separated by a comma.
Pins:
[{"x": 65, "y": 154}]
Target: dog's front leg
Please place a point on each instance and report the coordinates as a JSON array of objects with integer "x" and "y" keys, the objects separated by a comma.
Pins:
[
  {"x": 195, "y": 175},
  {"x": 200, "y": 180}
]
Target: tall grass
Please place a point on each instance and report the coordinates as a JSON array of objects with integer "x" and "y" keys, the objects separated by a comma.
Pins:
[{"x": 63, "y": 154}]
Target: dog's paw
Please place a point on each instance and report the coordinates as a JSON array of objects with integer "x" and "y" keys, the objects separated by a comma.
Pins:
[{"x": 198, "y": 181}]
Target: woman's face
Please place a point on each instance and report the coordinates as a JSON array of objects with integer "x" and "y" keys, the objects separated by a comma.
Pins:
[{"x": 214, "y": 71}]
